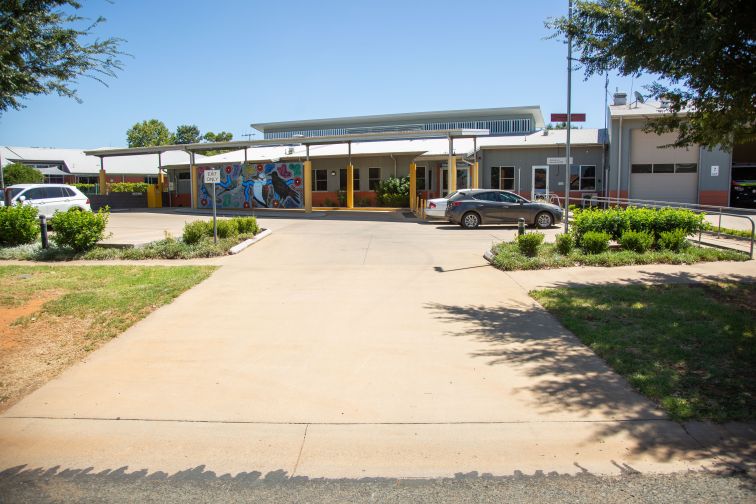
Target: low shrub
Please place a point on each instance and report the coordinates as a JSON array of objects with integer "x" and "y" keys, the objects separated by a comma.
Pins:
[
  {"x": 595, "y": 242},
  {"x": 196, "y": 231},
  {"x": 615, "y": 221},
  {"x": 565, "y": 242},
  {"x": 636, "y": 241},
  {"x": 226, "y": 229},
  {"x": 85, "y": 188},
  {"x": 675, "y": 240},
  {"x": 79, "y": 230},
  {"x": 246, "y": 225},
  {"x": 128, "y": 187},
  {"x": 528, "y": 243},
  {"x": 19, "y": 224},
  {"x": 393, "y": 192}
]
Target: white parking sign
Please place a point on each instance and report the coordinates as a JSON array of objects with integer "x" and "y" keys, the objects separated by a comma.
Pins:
[{"x": 212, "y": 176}]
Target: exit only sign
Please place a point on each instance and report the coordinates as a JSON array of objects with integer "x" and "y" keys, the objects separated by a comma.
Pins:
[{"x": 563, "y": 117}]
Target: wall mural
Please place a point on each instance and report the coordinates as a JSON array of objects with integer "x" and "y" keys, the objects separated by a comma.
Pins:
[{"x": 258, "y": 185}]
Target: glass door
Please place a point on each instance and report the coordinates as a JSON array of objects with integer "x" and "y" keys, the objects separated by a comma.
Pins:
[{"x": 540, "y": 182}]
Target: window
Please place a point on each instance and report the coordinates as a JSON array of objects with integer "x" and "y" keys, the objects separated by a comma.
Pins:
[
  {"x": 502, "y": 177},
  {"x": 640, "y": 168},
  {"x": 184, "y": 176},
  {"x": 343, "y": 179},
  {"x": 486, "y": 196},
  {"x": 68, "y": 192},
  {"x": 374, "y": 178},
  {"x": 319, "y": 180},
  {"x": 664, "y": 168},
  {"x": 88, "y": 180},
  {"x": 686, "y": 168},
  {"x": 587, "y": 178},
  {"x": 574, "y": 178},
  {"x": 420, "y": 180},
  {"x": 509, "y": 198},
  {"x": 150, "y": 180},
  {"x": 36, "y": 193}
]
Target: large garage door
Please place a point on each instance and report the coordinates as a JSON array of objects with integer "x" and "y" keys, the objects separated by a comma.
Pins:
[{"x": 662, "y": 174}]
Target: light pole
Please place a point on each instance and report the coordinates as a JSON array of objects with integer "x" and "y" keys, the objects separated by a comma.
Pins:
[{"x": 569, "y": 122}]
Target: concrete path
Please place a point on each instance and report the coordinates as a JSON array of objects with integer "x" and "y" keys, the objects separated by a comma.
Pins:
[{"x": 358, "y": 346}]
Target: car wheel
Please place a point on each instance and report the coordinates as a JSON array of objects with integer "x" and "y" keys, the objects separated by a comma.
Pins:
[
  {"x": 544, "y": 220},
  {"x": 470, "y": 220}
]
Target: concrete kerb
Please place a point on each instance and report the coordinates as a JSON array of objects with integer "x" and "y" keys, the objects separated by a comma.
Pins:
[{"x": 246, "y": 243}]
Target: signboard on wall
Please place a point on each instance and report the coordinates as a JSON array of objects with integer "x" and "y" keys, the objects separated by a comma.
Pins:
[
  {"x": 562, "y": 118},
  {"x": 715, "y": 170},
  {"x": 558, "y": 160}
]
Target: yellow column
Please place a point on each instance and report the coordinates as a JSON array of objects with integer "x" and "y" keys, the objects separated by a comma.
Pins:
[
  {"x": 195, "y": 182},
  {"x": 307, "y": 181},
  {"x": 350, "y": 186},
  {"x": 413, "y": 186},
  {"x": 474, "y": 176},
  {"x": 103, "y": 182},
  {"x": 452, "y": 174}
]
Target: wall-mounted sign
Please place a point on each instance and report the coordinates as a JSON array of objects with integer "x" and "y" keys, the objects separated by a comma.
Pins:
[
  {"x": 212, "y": 176},
  {"x": 559, "y": 118},
  {"x": 558, "y": 160},
  {"x": 715, "y": 171}
]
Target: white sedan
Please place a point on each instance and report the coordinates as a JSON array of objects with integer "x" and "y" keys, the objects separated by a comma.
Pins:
[
  {"x": 436, "y": 208},
  {"x": 48, "y": 198}
]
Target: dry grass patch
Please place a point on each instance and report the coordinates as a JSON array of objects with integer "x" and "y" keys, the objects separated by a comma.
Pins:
[{"x": 51, "y": 317}]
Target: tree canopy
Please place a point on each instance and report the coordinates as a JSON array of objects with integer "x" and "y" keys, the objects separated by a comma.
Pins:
[
  {"x": 149, "y": 133},
  {"x": 17, "y": 173},
  {"x": 222, "y": 136},
  {"x": 704, "y": 50},
  {"x": 187, "y": 134},
  {"x": 44, "y": 49}
]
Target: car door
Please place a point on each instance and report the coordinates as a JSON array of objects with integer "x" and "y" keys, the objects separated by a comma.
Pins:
[
  {"x": 509, "y": 206},
  {"x": 488, "y": 206},
  {"x": 55, "y": 200},
  {"x": 37, "y": 197}
]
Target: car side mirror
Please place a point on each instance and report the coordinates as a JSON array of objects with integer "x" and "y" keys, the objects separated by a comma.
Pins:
[{"x": 22, "y": 198}]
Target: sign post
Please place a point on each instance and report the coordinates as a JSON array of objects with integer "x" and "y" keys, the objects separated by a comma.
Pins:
[{"x": 213, "y": 177}]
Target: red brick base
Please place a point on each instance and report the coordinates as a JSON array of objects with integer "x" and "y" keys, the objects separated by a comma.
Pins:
[{"x": 715, "y": 198}]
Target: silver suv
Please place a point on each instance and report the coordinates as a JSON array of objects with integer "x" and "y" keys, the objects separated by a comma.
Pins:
[{"x": 48, "y": 198}]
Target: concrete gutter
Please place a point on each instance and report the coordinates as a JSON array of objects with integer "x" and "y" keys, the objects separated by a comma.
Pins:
[{"x": 251, "y": 241}]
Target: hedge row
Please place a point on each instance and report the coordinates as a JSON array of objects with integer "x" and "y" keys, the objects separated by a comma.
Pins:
[
  {"x": 195, "y": 232},
  {"x": 616, "y": 221},
  {"x": 128, "y": 187}
]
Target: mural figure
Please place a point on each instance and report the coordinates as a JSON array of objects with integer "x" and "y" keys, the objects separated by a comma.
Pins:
[{"x": 268, "y": 185}]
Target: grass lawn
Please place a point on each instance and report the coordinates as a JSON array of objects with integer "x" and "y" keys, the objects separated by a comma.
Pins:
[
  {"x": 51, "y": 317},
  {"x": 507, "y": 257},
  {"x": 690, "y": 348}
]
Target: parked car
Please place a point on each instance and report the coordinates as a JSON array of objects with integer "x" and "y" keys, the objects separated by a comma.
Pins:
[
  {"x": 473, "y": 207},
  {"x": 743, "y": 193},
  {"x": 436, "y": 208},
  {"x": 48, "y": 198}
]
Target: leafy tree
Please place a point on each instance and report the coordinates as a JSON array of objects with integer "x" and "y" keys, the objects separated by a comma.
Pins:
[
  {"x": 149, "y": 133},
  {"x": 43, "y": 50},
  {"x": 223, "y": 136},
  {"x": 704, "y": 49},
  {"x": 187, "y": 134},
  {"x": 17, "y": 173}
]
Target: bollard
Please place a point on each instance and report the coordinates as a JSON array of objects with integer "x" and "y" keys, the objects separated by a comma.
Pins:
[
  {"x": 43, "y": 229},
  {"x": 520, "y": 226}
]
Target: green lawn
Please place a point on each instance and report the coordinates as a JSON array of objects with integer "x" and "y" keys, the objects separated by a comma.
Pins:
[
  {"x": 690, "y": 348},
  {"x": 51, "y": 317}
]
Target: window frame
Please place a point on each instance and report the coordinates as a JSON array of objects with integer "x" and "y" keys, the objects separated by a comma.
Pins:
[
  {"x": 373, "y": 181},
  {"x": 418, "y": 178},
  {"x": 315, "y": 181},
  {"x": 355, "y": 178}
]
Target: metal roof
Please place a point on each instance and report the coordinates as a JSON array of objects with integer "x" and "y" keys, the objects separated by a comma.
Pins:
[
  {"x": 637, "y": 109},
  {"x": 588, "y": 136},
  {"x": 357, "y": 121}
]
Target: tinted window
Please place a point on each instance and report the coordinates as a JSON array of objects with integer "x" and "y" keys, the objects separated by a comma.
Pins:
[
  {"x": 486, "y": 196},
  {"x": 36, "y": 193},
  {"x": 15, "y": 191},
  {"x": 664, "y": 168},
  {"x": 67, "y": 191},
  {"x": 641, "y": 168},
  {"x": 54, "y": 192},
  {"x": 686, "y": 168},
  {"x": 508, "y": 198}
]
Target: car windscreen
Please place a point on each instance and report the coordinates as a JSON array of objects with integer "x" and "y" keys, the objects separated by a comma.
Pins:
[{"x": 15, "y": 191}]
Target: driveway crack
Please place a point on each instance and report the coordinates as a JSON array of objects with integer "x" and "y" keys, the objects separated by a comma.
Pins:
[
  {"x": 370, "y": 241},
  {"x": 299, "y": 457}
]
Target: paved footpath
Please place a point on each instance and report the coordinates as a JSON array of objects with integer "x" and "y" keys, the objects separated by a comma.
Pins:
[{"x": 351, "y": 347}]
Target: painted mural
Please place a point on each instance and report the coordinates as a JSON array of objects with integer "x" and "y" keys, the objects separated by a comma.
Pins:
[{"x": 254, "y": 185}]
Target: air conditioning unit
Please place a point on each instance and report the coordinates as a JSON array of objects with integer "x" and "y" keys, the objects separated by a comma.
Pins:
[{"x": 289, "y": 151}]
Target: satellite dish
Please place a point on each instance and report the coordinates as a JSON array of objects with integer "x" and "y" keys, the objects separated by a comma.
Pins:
[{"x": 638, "y": 97}]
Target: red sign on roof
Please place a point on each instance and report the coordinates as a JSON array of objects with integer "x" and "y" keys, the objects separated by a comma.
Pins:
[{"x": 563, "y": 117}]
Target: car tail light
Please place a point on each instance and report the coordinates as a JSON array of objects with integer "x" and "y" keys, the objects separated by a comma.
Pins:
[
  {"x": 431, "y": 205},
  {"x": 456, "y": 203}
]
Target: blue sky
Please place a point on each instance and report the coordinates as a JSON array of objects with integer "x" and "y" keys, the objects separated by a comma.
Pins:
[{"x": 223, "y": 65}]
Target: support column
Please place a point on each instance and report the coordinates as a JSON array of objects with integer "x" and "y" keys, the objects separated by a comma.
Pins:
[
  {"x": 193, "y": 180},
  {"x": 103, "y": 181},
  {"x": 350, "y": 185},
  {"x": 413, "y": 186},
  {"x": 451, "y": 168},
  {"x": 307, "y": 181}
]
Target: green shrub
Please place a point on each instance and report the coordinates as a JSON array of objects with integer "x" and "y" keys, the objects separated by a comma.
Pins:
[
  {"x": 85, "y": 188},
  {"x": 128, "y": 187},
  {"x": 595, "y": 242},
  {"x": 195, "y": 231},
  {"x": 528, "y": 243},
  {"x": 565, "y": 242},
  {"x": 19, "y": 224},
  {"x": 675, "y": 240},
  {"x": 79, "y": 230},
  {"x": 17, "y": 173},
  {"x": 226, "y": 229},
  {"x": 246, "y": 225},
  {"x": 636, "y": 241},
  {"x": 393, "y": 192},
  {"x": 615, "y": 221}
]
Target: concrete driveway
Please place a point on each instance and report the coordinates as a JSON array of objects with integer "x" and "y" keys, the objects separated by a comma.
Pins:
[{"x": 349, "y": 345}]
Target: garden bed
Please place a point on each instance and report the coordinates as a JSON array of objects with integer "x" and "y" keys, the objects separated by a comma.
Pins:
[{"x": 507, "y": 257}]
